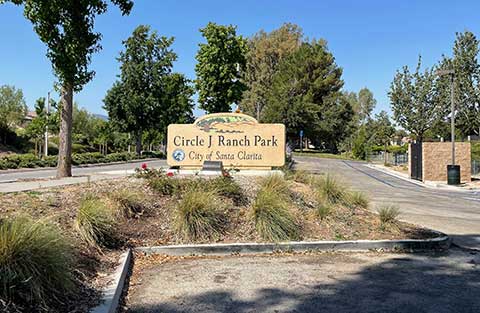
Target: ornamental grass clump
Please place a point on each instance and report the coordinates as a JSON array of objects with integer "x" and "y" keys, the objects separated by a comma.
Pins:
[
  {"x": 388, "y": 214},
  {"x": 226, "y": 187},
  {"x": 276, "y": 183},
  {"x": 95, "y": 223},
  {"x": 199, "y": 215},
  {"x": 35, "y": 263},
  {"x": 331, "y": 190},
  {"x": 272, "y": 216},
  {"x": 128, "y": 203},
  {"x": 356, "y": 199}
]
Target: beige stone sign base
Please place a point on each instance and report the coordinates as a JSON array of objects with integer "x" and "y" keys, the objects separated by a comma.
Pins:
[{"x": 235, "y": 139}]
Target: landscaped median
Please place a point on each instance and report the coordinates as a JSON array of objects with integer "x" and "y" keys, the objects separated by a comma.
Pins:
[{"x": 85, "y": 229}]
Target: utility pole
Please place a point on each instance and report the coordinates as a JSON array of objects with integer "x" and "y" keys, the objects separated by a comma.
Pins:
[{"x": 45, "y": 149}]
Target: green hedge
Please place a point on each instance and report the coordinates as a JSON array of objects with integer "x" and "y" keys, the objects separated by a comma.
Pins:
[
  {"x": 391, "y": 149},
  {"x": 31, "y": 161}
]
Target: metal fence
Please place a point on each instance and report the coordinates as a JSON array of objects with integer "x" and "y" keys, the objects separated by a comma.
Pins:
[
  {"x": 475, "y": 167},
  {"x": 392, "y": 158}
]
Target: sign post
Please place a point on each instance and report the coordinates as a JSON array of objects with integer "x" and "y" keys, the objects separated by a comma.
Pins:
[{"x": 301, "y": 140}]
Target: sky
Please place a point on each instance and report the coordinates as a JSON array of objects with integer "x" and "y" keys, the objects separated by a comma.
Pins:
[{"x": 370, "y": 39}]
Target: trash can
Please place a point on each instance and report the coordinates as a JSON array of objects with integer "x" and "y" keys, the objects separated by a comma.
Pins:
[{"x": 453, "y": 174}]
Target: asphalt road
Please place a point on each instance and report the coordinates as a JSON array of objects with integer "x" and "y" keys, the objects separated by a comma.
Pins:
[
  {"x": 456, "y": 213},
  {"x": 43, "y": 173},
  {"x": 325, "y": 282}
]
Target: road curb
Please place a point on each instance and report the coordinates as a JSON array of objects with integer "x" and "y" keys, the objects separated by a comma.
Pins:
[
  {"x": 442, "y": 242},
  {"x": 112, "y": 293}
]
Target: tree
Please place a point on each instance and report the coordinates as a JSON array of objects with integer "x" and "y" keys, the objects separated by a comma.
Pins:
[
  {"x": 265, "y": 52},
  {"x": 466, "y": 84},
  {"x": 147, "y": 95},
  {"x": 383, "y": 131},
  {"x": 413, "y": 100},
  {"x": 305, "y": 95},
  {"x": 36, "y": 128},
  {"x": 12, "y": 109},
  {"x": 67, "y": 28},
  {"x": 366, "y": 103},
  {"x": 220, "y": 63}
]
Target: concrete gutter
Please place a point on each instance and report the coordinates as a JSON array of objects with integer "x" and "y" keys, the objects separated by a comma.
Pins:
[{"x": 112, "y": 293}]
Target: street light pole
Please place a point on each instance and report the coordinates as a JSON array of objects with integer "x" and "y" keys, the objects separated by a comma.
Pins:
[
  {"x": 452, "y": 119},
  {"x": 453, "y": 170}
]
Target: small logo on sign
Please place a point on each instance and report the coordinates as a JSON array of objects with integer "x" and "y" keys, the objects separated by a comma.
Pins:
[{"x": 178, "y": 155}]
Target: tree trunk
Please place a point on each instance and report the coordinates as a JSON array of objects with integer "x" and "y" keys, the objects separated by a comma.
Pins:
[
  {"x": 138, "y": 142},
  {"x": 64, "y": 168}
]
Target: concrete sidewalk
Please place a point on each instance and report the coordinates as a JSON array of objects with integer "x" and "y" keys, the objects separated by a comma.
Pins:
[{"x": 19, "y": 186}]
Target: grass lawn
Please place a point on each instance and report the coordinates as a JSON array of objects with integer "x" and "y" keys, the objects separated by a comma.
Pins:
[{"x": 323, "y": 155}]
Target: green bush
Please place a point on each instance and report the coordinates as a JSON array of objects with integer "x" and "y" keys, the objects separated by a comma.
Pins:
[
  {"x": 388, "y": 214},
  {"x": 164, "y": 185},
  {"x": 95, "y": 223},
  {"x": 29, "y": 160},
  {"x": 272, "y": 216},
  {"x": 199, "y": 214},
  {"x": 35, "y": 262}
]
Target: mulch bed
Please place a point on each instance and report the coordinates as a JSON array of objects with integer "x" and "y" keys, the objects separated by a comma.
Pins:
[{"x": 155, "y": 226}]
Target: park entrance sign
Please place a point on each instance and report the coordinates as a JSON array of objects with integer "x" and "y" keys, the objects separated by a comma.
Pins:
[{"x": 235, "y": 139}]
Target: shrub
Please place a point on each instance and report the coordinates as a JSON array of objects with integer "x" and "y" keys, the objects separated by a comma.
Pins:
[
  {"x": 149, "y": 173},
  {"x": 388, "y": 214},
  {"x": 128, "y": 203},
  {"x": 357, "y": 199},
  {"x": 331, "y": 191},
  {"x": 35, "y": 262},
  {"x": 272, "y": 216},
  {"x": 95, "y": 223},
  {"x": 164, "y": 185},
  {"x": 199, "y": 215}
]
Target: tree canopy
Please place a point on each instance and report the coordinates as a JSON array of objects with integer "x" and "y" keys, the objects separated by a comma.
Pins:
[
  {"x": 265, "y": 52},
  {"x": 147, "y": 95},
  {"x": 67, "y": 29},
  {"x": 12, "y": 109},
  {"x": 221, "y": 60},
  {"x": 413, "y": 100},
  {"x": 305, "y": 96}
]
